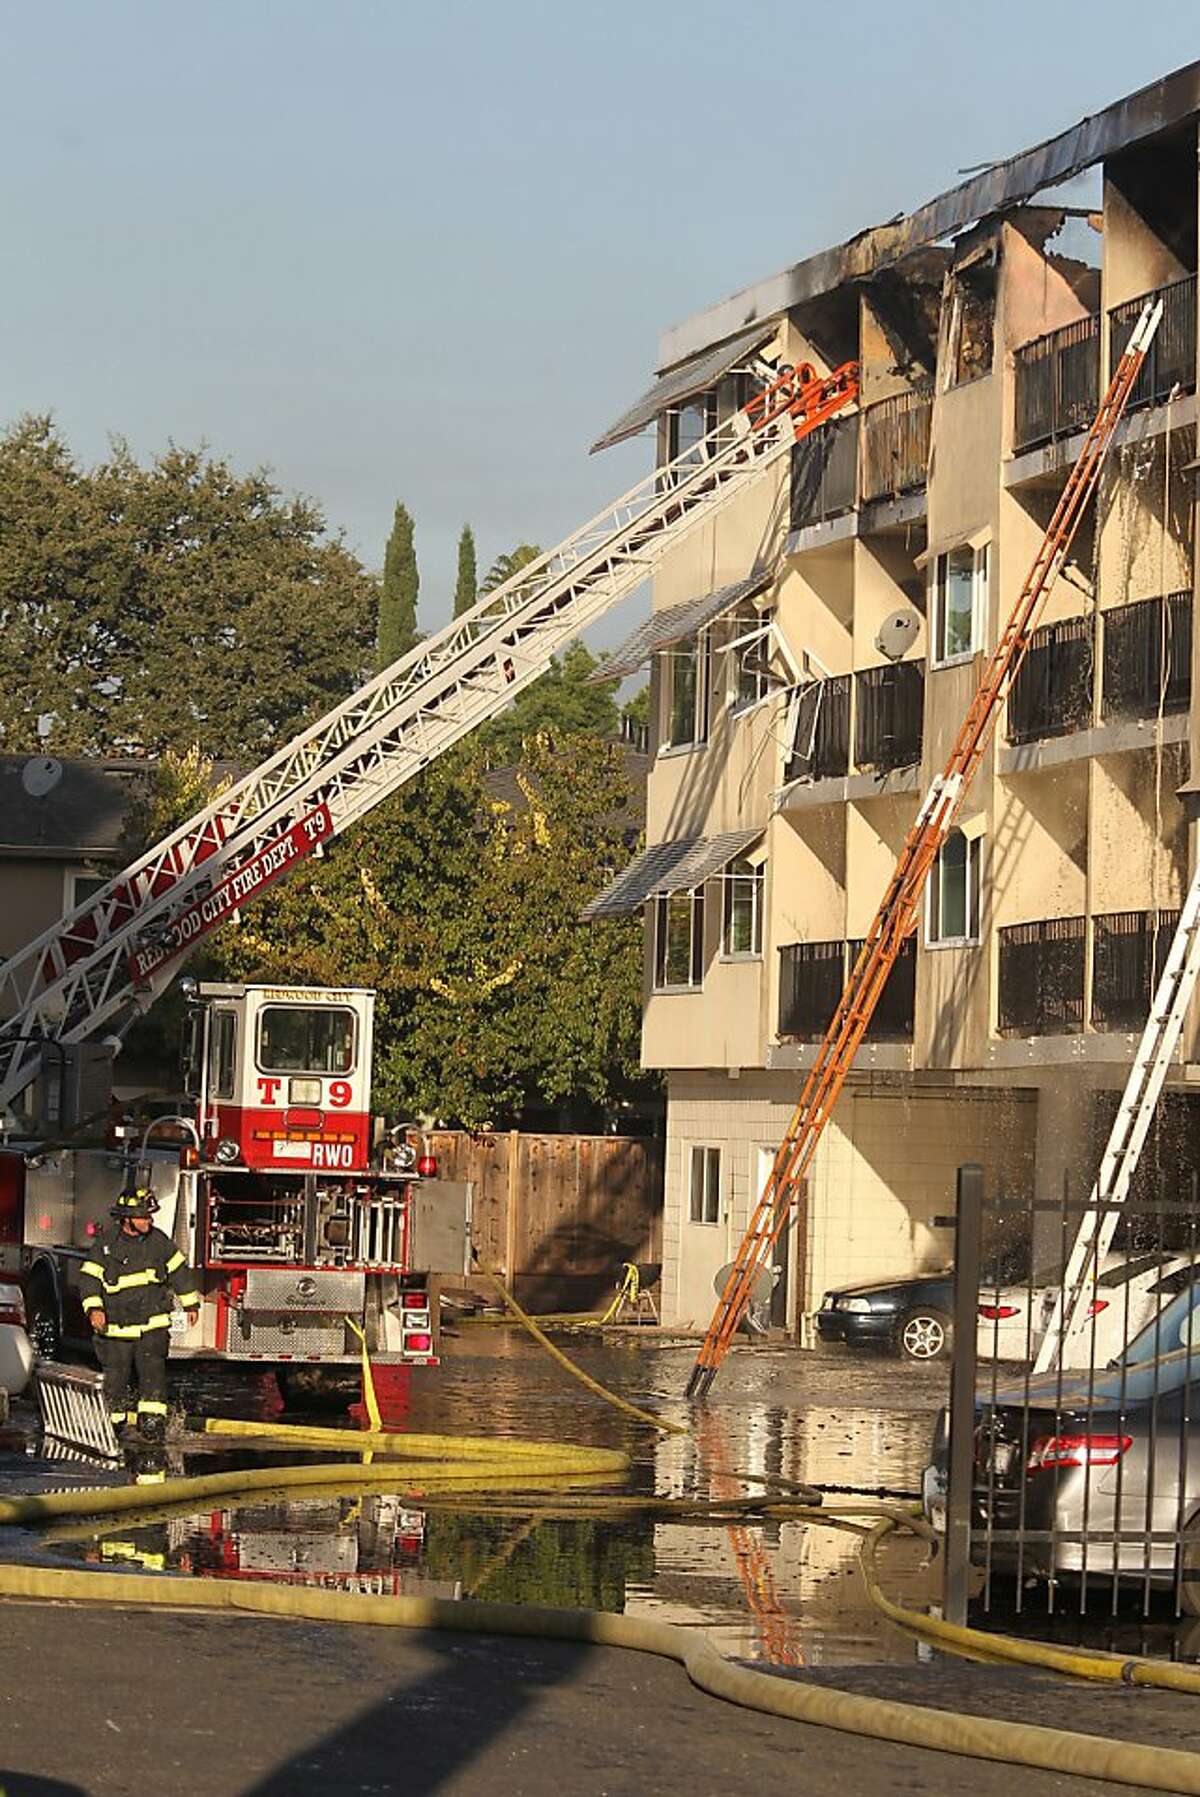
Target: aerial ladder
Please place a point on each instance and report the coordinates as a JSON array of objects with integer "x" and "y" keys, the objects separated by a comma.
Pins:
[
  {"x": 1135, "y": 1113},
  {"x": 105, "y": 962},
  {"x": 897, "y": 914}
]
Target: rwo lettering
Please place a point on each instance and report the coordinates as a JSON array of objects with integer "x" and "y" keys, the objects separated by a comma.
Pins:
[{"x": 333, "y": 1154}]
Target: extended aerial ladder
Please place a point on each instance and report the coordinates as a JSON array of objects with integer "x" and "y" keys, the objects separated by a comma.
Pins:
[
  {"x": 897, "y": 914},
  {"x": 1155, "y": 1051},
  {"x": 109, "y": 958}
]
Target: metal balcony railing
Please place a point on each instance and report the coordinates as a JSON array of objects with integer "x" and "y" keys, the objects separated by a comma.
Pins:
[
  {"x": 1147, "y": 657},
  {"x": 1057, "y": 383},
  {"x": 895, "y": 443},
  {"x": 1052, "y": 693},
  {"x": 825, "y": 473},
  {"x": 1171, "y": 359},
  {"x": 1041, "y": 978},
  {"x": 893, "y": 1016},
  {"x": 1129, "y": 949},
  {"x": 820, "y": 746},
  {"x": 811, "y": 978},
  {"x": 889, "y": 715}
]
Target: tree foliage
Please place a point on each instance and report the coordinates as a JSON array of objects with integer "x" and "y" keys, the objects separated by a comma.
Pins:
[
  {"x": 398, "y": 594},
  {"x": 505, "y": 566},
  {"x": 462, "y": 911},
  {"x": 559, "y": 704},
  {"x": 466, "y": 586},
  {"x": 152, "y": 608}
]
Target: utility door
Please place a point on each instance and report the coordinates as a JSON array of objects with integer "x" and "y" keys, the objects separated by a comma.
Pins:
[{"x": 704, "y": 1228}]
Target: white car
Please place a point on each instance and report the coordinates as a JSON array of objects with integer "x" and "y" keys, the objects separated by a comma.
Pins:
[
  {"x": 1129, "y": 1292},
  {"x": 16, "y": 1349}
]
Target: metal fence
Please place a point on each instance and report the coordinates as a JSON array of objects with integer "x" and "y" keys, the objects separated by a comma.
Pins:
[
  {"x": 825, "y": 473},
  {"x": 1041, "y": 977},
  {"x": 1052, "y": 693},
  {"x": 1147, "y": 657},
  {"x": 1057, "y": 383},
  {"x": 1074, "y": 1490},
  {"x": 889, "y": 713},
  {"x": 820, "y": 745},
  {"x": 812, "y": 976},
  {"x": 1171, "y": 359},
  {"x": 1129, "y": 951},
  {"x": 895, "y": 443}
]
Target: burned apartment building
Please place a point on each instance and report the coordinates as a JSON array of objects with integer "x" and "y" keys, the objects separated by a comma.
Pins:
[{"x": 813, "y": 651}]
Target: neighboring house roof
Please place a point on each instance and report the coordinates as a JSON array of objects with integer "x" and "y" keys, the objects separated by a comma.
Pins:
[
  {"x": 504, "y": 787},
  {"x": 1164, "y": 103},
  {"x": 81, "y": 815}
]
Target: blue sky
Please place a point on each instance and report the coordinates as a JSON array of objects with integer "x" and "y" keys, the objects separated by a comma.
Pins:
[{"x": 426, "y": 251}]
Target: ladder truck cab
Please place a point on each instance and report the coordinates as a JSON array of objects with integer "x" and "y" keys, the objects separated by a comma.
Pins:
[{"x": 300, "y": 1225}]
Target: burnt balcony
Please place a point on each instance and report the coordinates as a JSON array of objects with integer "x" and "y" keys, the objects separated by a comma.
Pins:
[
  {"x": 812, "y": 977},
  {"x": 825, "y": 473},
  {"x": 889, "y": 707},
  {"x": 820, "y": 745},
  {"x": 1129, "y": 950},
  {"x": 1056, "y": 383},
  {"x": 1171, "y": 359},
  {"x": 895, "y": 444},
  {"x": 1041, "y": 978},
  {"x": 1147, "y": 657},
  {"x": 1052, "y": 693}
]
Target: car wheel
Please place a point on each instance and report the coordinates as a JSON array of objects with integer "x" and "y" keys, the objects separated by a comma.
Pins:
[
  {"x": 924, "y": 1335},
  {"x": 45, "y": 1331},
  {"x": 1189, "y": 1568}
]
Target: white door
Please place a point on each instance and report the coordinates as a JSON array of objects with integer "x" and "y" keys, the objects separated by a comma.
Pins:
[{"x": 704, "y": 1231}]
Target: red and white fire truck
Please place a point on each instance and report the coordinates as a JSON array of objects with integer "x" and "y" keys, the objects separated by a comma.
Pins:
[{"x": 301, "y": 1217}]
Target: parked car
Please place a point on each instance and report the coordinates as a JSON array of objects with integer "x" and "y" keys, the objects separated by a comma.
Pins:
[
  {"x": 16, "y": 1349},
  {"x": 1111, "y": 1457},
  {"x": 1129, "y": 1291},
  {"x": 911, "y": 1317}
]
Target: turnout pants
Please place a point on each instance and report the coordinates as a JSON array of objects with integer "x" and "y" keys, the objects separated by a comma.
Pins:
[{"x": 146, "y": 1357}]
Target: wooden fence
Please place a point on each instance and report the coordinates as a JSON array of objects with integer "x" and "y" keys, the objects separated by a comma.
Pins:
[{"x": 557, "y": 1215}]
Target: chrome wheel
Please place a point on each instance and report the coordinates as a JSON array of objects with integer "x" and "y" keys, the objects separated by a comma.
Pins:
[{"x": 924, "y": 1335}]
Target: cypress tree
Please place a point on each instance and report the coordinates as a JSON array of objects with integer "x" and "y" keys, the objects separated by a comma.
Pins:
[
  {"x": 466, "y": 589},
  {"x": 398, "y": 594}
]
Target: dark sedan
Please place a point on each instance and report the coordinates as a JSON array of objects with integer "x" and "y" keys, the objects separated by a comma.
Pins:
[{"x": 910, "y": 1317}]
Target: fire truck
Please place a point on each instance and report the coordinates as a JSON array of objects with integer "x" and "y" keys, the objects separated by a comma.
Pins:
[{"x": 304, "y": 1220}]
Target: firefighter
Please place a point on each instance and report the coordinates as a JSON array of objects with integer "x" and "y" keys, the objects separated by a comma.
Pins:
[{"x": 127, "y": 1291}]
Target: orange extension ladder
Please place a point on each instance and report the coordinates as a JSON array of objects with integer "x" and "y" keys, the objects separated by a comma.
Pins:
[{"x": 896, "y": 917}]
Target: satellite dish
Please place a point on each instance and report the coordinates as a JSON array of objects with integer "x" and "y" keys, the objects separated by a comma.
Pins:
[
  {"x": 40, "y": 775},
  {"x": 898, "y": 633}
]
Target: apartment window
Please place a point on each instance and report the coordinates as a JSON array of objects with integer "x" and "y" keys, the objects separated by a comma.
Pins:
[
  {"x": 690, "y": 424},
  {"x": 954, "y": 891},
  {"x": 972, "y": 322},
  {"x": 687, "y": 664},
  {"x": 742, "y": 931},
  {"x": 959, "y": 609},
  {"x": 704, "y": 1204},
  {"x": 748, "y": 655},
  {"x": 679, "y": 940},
  {"x": 80, "y": 887}
]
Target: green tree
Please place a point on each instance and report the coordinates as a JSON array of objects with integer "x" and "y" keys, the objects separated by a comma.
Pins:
[
  {"x": 398, "y": 593},
  {"x": 505, "y": 566},
  {"x": 466, "y": 587},
  {"x": 560, "y": 704},
  {"x": 636, "y": 709},
  {"x": 147, "y": 608}
]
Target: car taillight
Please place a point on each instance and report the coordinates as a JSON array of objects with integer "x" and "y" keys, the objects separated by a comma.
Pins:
[
  {"x": 1077, "y": 1450},
  {"x": 415, "y": 1300},
  {"x": 12, "y": 1305},
  {"x": 427, "y": 1166},
  {"x": 996, "y": 1313},
  {"x": 1096, "y": 1306},
  {"x": 418, "y": 1343}
]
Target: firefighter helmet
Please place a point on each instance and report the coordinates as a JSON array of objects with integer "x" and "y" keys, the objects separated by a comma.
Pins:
[{"x": 136, "y": 1201}]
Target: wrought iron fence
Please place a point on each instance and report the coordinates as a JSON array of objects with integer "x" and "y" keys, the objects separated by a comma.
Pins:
[
  {"x": 1074, "y": 1490},
  {"x": 1147, "y": 657},
  {"x": 811, "y": 978},
  {"x": 820, "y": 741},
  {"x": 889, "y": 715},
  {"x": 1041, "y": 977},
  {"x": 1056, "y": 383},
  {"x": 895, "y": 443},
  {"x": 1129, "y": 949},
  {"x": 825, "y": 473},
  {"x": 1052, "y": 693},
  {"x": 892, "y": 1020},
  {"x": 1171, "y": 359}
]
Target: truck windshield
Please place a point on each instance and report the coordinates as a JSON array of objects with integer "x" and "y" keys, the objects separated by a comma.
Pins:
[{"x": 305, "y": 1039}]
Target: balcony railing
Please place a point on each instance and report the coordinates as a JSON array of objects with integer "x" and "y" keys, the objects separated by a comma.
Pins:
[
  {"x": 1057, "y": 381},
  {"x": 1041, "y": 978},
  {"x": 812, "y": 976},
  {"x": 1147, "y": 657},
  {"x": 1129, "y": 949},
  {"x": 820, "y": 746},
  {"x": 825, "y": 473},
  {"x": 889, "y": 714},
  {"x": 1052, "y": 693},
  {"x": 895, "y": 444},
  {"x": 1171, "y": 359}
]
